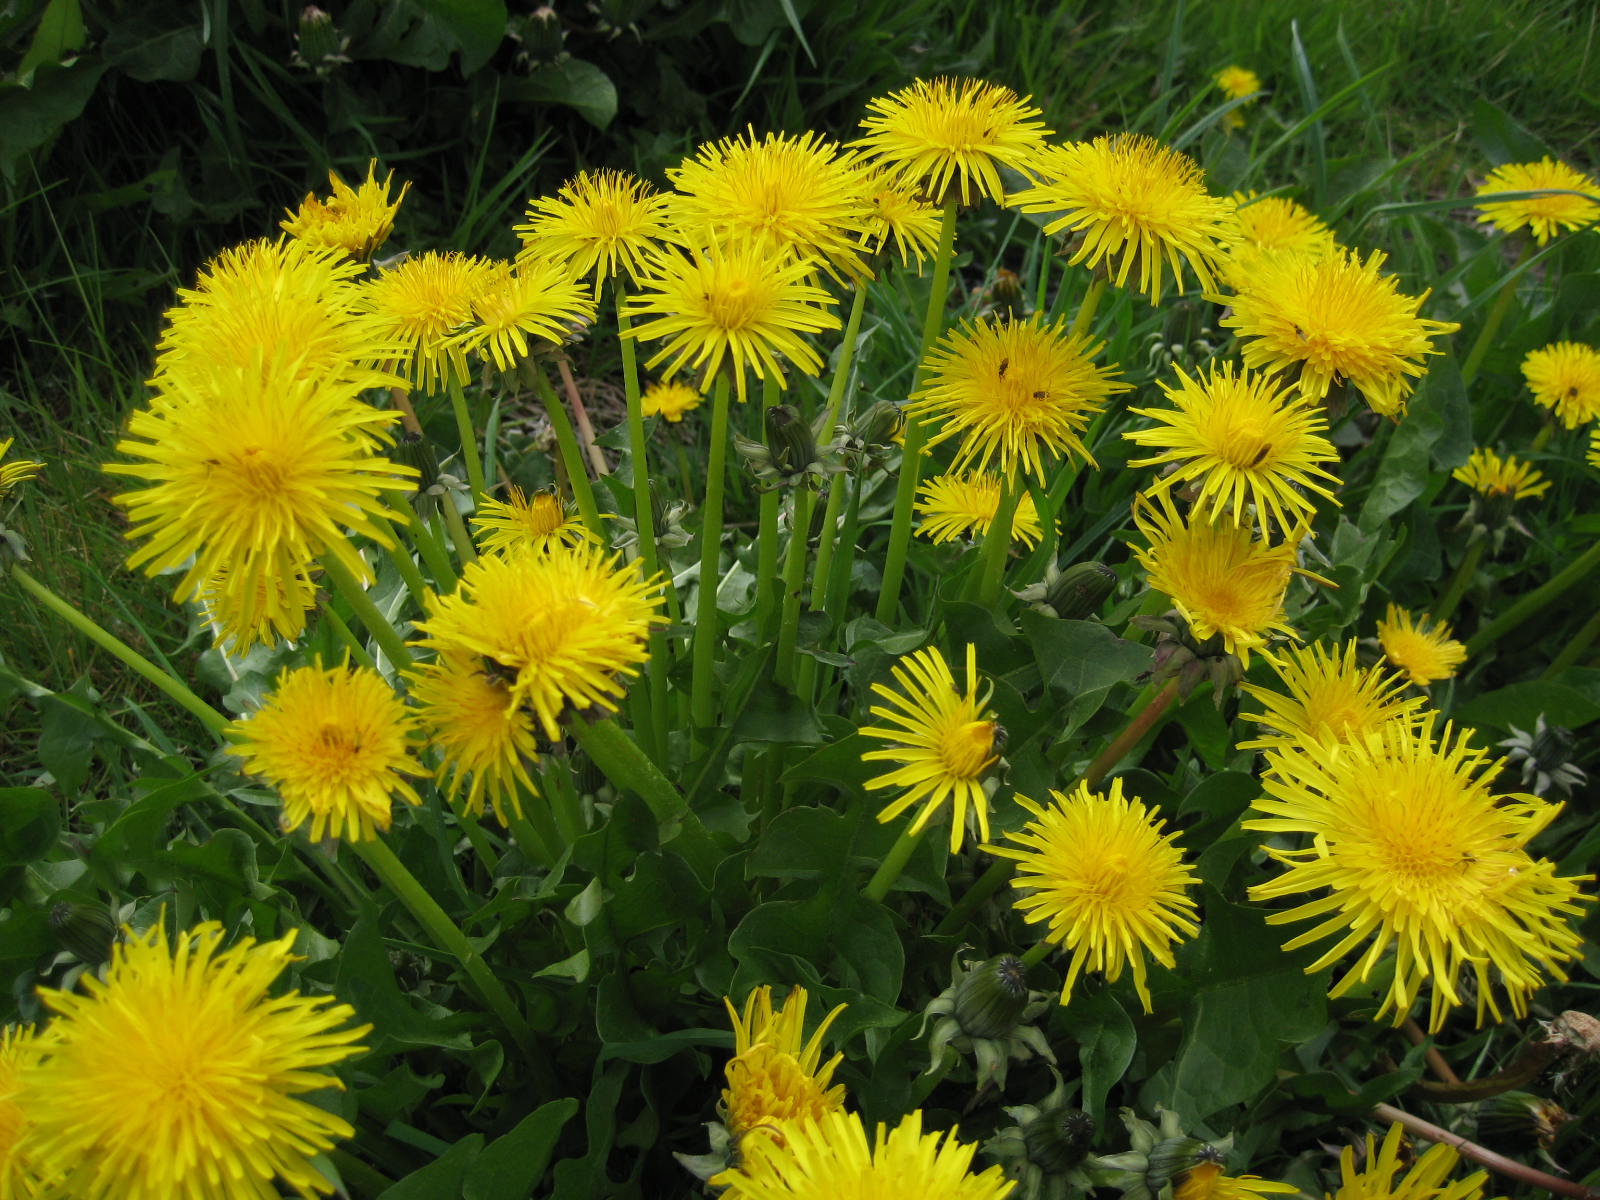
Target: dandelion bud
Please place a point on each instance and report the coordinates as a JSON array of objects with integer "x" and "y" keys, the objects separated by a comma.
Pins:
[
  {"x": 319, "y": 46},
  {"x": 793, "y": 445},
  {"x": 1517, "y": 1123},
  {"x": 542, "y": 38},
  {"x": 414, "y": 450},
  {"x": 1172, "y": 1156},
  {"x": 85, "y": 930},
  {"x": 1080, "y": 590},
  {"x": 879, "y": 425},
  {"x": 1060, "y": 1141},
  {"x": 991, "y": 999}
]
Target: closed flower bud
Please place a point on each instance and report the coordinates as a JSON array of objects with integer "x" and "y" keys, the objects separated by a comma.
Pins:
[
  {"x": 414, "y": 450},
  {"x": 1519, "y": 1123},
  {"x": 319, "y": 46},
  {"x": 879, "y": 425},
  {"x": 542, "y": 38},
  {"x": 1172, "y": 1156},
  {"x": 794, "y": 447},
  {"x": 84, "y": 930},
  {"x": 1080, "y": 590},
  {"x": 1060, "y": 1141},
  {"x": 990, "y": 1000}
]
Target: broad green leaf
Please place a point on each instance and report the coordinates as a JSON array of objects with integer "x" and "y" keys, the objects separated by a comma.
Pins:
[
  {"x": 1106, "y": 1042},
  {"x": 578, "y": 85},
  {"x": 444, "y": 1176},
  {"x": 30, "y": 819},
  {"x": 1435, "y": 434},
  {"x": 366, "y": 981},
  {"x": 1521, "y": 704},
  {"x": 512, "y": 1165},
  {"x": 1501, "y": 138},
  {"x": 1081, "y": 657}
]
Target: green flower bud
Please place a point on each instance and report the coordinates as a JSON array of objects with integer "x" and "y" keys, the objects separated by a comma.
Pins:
[
  {"x": 990, "y": 1000},
  {"x": 793, "y": 445},
  {"x": 879, "y": 424},
  {"x": 1059, "y": 1141},
  {"x": 319, "y": 46},
  {"x": 1080, "y": 590},
  {"x": 1517, "y": 1123},
  {"x": 414, "y": 450},
  {"x": 84, "y": 930},
  {"x": 542, "y": 38}
]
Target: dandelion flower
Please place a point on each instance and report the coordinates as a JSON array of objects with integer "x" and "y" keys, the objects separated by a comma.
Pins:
[
  {"x": 601, "y": 222},
  {"x": 1336, "y": 320},
  {"x": 1411, "y": 852},
  {"x": 1236, "y": 83},
  {"x": 897, "y": 213},
  {"x": 562, "y": 627},
  {"x": 1594, "y": 449},
  {"x": 20, "y": 1050},
  {"x": 744, "y": 303},
  {"x": 1224, "y": 582},
  {"x": 1013, "y": 392},
  {"x": 1548, "y": 215},
  {"x": 1136, "y": 205},
  {"x": 1425, "y": 1180},
  {"x": 776, "y": 1078},
  {"x": 260, "y": 609},
  {"x": 1423, "y": 649},
  {"x": 354, "y": 220},
  {"x": 534, "y": 299},
  {"x": 1206, "y": 1181},
  {"x": 1240, "y": 441},
  {"x": 471, "y": 719},
  {"x": 16, "y": 472},
  {"x": 539, "y": 522},
  {"x": 669, "y": 401},
  {"x": 830, "y": 1159},
  {"x": 953, "y": 506},
  {"x": 419, "y": 304},
  {"x": 1490, "y": 475},
  {"x": 945, "y": 742},
  {"x": 950, "y": 137},
  {"x": 179, "y": 1075},
  {"x": 1330, "y": 699},
  {"x": 336, "y": 744},
  {"x": 1565, "y": 378},
  {"x": 1109, "y": 886},
  {"x": 1271, "y": 227}
]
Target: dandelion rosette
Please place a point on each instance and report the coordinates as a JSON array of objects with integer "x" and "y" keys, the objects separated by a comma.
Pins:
[
  {"x": 1544, "y": 216},
  {"x": 563, "y": 628},
  {"x": 1335, "y": 320},
  {"x": 471, "y": 719},
  {"x": 949, "y": 137},
  {"x": 420, "y": 304},
  {"x": 1413, "y": 856},
  {"x": 1423, "y": 1178},
  {"x": 1014, "y": 392},
  {"x": 1109, "y": 886},
  {"x": 1565, "y": 378},
  {"x": 669, "y": 401},
  {"x": 1240, "y": 441},
  {"x": 1329, "y": 698},
  {"x": 601, "y": 222},
  {"x": 1421, "y": 648},
  {"x": 540, "y": 522},
  {"x": 179, "y": 1075},
  {"x": 354, "y": 220},
  {"x": 1493, "y": 477},
  {"x": 964, "y": 505},
  {"x": 776, "y": 1078},
  {"x": 1136, "y": 206},
  {"x": 523, "y": 308},
  {"x": 944, "y": 740},
  {"x": 337, "y": 745}
]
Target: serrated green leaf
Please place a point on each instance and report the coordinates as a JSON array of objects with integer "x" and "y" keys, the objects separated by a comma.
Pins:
[{"x": 512, "y": 1165}]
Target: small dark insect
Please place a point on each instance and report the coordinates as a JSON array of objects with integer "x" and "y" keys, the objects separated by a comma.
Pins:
[
  {"x": 1005, "y": 365},
  {"x": 1262, "y": 453},
  {"x": 1040, "y": 395}
]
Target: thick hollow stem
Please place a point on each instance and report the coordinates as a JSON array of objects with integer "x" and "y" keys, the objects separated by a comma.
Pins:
[
  {"x": 469, "y": 440},
  {"x": 983, "y": 585},
  {"x": 1497, "y": 314},
  {"x": 355, "y": 595},
  {"x": 794, "y": 570},
  {"x": 893, "y": 863},
  {"x": 1535, "y": 600},
  {"x": 567, "y": 445},
  {"x": 702, "y": 702},
  {"x": 1473, "y": 1152},
  {"x": 1460, "y": 581},
  {"x": 1140, "y": 725}
]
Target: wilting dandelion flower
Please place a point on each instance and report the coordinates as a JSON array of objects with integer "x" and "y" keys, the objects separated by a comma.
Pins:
[
  {"x": 1422, "y": 648},
  {"x": 952, "y": 506},
  {"x": 1335, "y": 320},
  {"x": 523, "y": 307},
  {"x": 471, "y": 719},
  {"x": 179, "y": 1075},
  {"x": 1490, "y": 475},
  {"x": 1565, "y": 378},
  {"x": 420, "y": 304},
  {"x": 538, "y": 522},
  {"x": 830, "y": 1159},
  {"x": 336, "y": 745},
  {"x": 1545, "y": 216},
  {"x": 669, "y": 401},
  {"x": 1331, "y": 699},
  {"x": 16, "y": 472},
  {"x": 945, "y": 741},
  {"x": 1240, "y": 441},
  {"x": 950, "y": 137},
  {"x": 1135, "y": 205},
  {"x": 776, "y": 1078},
  {"x": 1236, "y": 83},
  {"x": 355, "y": 220},
  {"x": 20, "y": 1050},
  {"x": 1105, "y": 881},
  {"x": 1425, "y": 1179},
  {"x": 601, "y": 222},
  {"x": 1412, "y": 853},
  {"x": 1014, "y": 392}
]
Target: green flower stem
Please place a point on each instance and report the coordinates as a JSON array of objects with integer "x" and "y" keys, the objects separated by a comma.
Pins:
[
  {"x": 124, "y": 653},
  {"x": 1497, "y": 314},
  {"x": 1091, "y": 303},
  {"x": 401, "y": 557},
  {"x": 905, "y": 497},
  {"x": 1143, "y": 721},
  {"x": 827, "y": 539},
  {"x": 469, "y": 439},
  {"x": 1035, "y": 953},
  {"x": 983, "y": 584},
  {"x": 1575, "y": 647},
  {"x": 893, "y": 863},
  {"x": 349, "y": 587},
  {"x": 465, "y": 550},
  {"x": 433, "y": 919},
  {"x": 1535, "y": 600},
  {"x": 564, "y": 802},
  {"x": 1460, "y": 581},
  {"x": 1542, "y": 438},
  {"x": 432, "y": 550},
  {"x": 481, "y": 845},
  {"x": 567, "y": 444},
  {"x": 534, "y": 845},
  {"x": 766, "y": 526},
  {"x": 347, "y": 635},
  {"x": 353, "y": 893},
  {"x": 702, "y": 701},
  {"x": 794, "y": 570},
  {"x": 975, "y": 897},
  {"x": 847, "y": 353}
]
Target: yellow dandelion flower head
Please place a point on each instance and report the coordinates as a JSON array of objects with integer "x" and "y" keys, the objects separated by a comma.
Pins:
[
  {"x": 1222, "y": 580},
  {"x": 1411, "y": 851},
  {"x": 1546, "y": 216},
  {"x": 1594, "y": 449},
  {"x": 831, "y": 1159},
  {"x": 1420, "y": 647},
  {"x": 470, "y": 718},
  {"x": 669, "y": 401},
  {"x": 419, "y": 304},
  {"x": 1136, "y": 205},
  {"x": 1237, "y": 82},
  {"x": 799, "y": 194},
  {"x": 944, "y": 740},
  {"x": 16, "y": 472},
  {"x": 250, "y": 473},
  {"x": 1331, "y": 699},
  {"x": 743, "y": 303},
  {"x": 898, "y": 213},
  {"x": 1242, "y": 441},
  {"x": 1486, "y": 473},
  {"x": 1335, "y": 320},
  {"x": 535, "y": 299},
  {"x": 964, "y": 505},
  {"x": 336, "y": 744},
  {"x": 1108, "y": 884},
  {"x": 20, "y": 1050},
  {"x": 1565, "y": 378},
  {"x": 950, "y": 137},
  {"x": 601, "y": 222},
  {"x": 1206, "y": 1181},
  {"x": 1269, "y": 227},
  {"x": 260, "y": 608},
  {"x": 539, "y": 522},
  {"x": 354, "y": 220},
  {"x": 563, "y": 627},
  {"x": 1424, "y": 1180},
  {"x": 179, "y": 1075},
  {"x": 1013, "y": 392},
  {"x": 776, "y": 1076}
]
